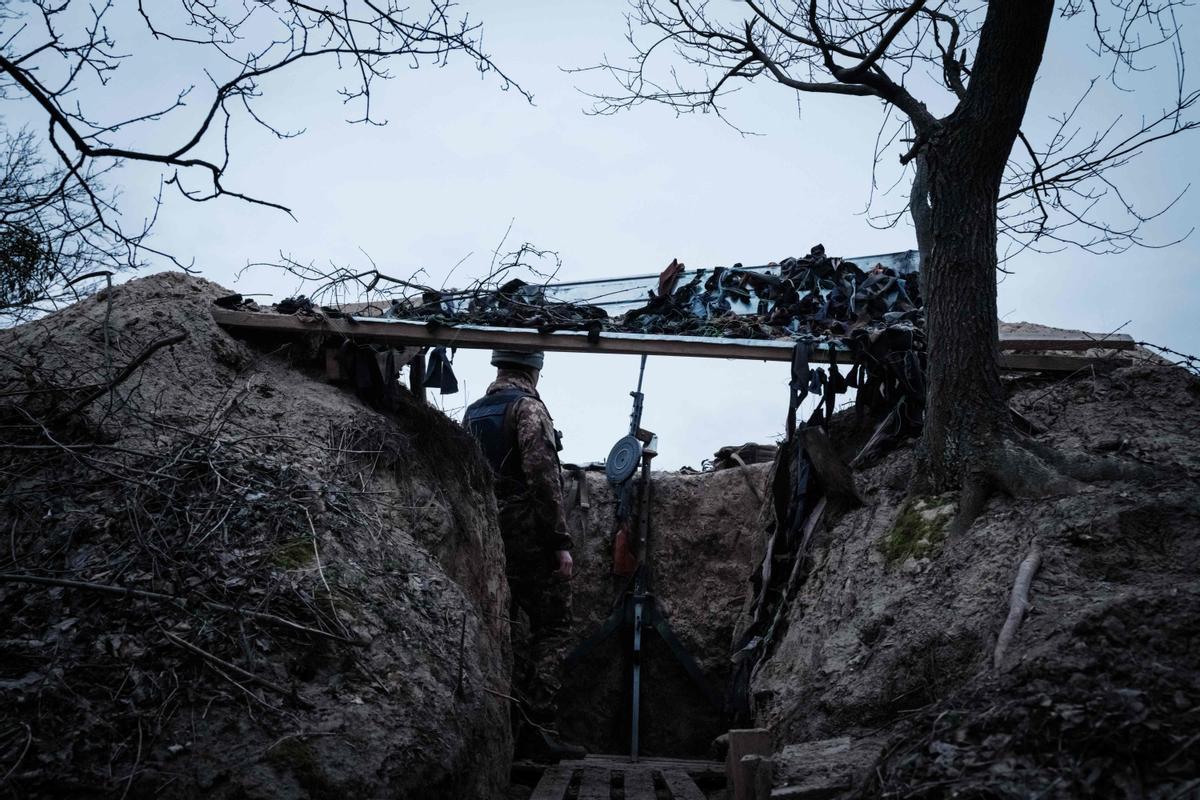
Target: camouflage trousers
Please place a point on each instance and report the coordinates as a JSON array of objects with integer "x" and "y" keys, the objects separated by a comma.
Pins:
[{"x": 541, "y": 623}]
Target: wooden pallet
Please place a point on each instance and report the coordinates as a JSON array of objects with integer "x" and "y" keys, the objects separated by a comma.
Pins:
[{"x": 598, "y": 777}]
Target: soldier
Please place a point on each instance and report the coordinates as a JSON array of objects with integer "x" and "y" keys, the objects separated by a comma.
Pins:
[{"x": 517, "y": 435}]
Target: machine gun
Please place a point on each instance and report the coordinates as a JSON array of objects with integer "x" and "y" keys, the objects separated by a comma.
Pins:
[
  {"x": 637, "y": 447},
  {"x": 627, "y": 452},
  {"x": 635, "y": 607}
]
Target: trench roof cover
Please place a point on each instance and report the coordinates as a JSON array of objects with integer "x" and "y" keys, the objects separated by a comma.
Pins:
[{"x": 617, "y": 295}]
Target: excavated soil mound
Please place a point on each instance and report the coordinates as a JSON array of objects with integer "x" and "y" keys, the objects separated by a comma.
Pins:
[
  {"x": 253, "y": 586},
  {"x": 890, "y": 641},
  {"x": 703, "y": 528}
]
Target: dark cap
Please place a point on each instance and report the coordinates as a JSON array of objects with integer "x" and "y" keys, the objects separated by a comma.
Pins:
[{"x": 517, "y": 358}]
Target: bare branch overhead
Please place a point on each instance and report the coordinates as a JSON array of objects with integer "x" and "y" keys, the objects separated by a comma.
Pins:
[
  {"x": 916, "y": 56},
  {"x": 60, "y": 59}
]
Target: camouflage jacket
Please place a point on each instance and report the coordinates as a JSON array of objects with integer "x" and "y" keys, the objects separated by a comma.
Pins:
[{"x": 541, "y": 502}]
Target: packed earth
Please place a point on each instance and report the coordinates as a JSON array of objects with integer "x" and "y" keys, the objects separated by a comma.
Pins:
[{"x": 224, "y": 575}]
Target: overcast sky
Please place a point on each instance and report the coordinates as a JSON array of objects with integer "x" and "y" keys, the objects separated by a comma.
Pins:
[{"x": 459, "y": 160}]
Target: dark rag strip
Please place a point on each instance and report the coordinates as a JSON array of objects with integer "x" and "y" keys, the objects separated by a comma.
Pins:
[{"x": 439, "y": 373}]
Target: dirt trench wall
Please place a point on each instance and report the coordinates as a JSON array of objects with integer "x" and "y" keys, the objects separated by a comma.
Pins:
[
  {"x": 703, "y": 527},
  {"x": 890, "y": 640},
  {"x": 218, "y": 474}
]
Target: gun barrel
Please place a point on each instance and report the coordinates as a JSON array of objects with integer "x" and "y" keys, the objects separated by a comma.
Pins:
[{"x": 635, "y": 419}]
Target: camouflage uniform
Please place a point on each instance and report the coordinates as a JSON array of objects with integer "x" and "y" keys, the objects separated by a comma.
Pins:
[{"x": 534, "y": 527}]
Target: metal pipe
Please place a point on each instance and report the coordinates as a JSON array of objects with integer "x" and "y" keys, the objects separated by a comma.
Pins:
[{"x": 637, "y": 677}]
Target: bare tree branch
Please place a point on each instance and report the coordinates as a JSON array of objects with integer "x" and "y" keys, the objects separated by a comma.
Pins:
[
  {"x": 57, "y": 58},
  {"x": 689, "y": 54}
]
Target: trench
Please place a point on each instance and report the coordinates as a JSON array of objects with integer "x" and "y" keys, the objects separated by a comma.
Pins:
[
  {"x": 703, "y": 529},
  {"x": 105, "y": 703}
]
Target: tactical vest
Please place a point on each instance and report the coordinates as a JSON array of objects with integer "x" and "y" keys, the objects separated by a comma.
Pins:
[{"x": 491, "y": 421}]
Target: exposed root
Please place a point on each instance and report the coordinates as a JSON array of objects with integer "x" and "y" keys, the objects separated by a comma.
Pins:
[
  {"x": 1089, "y": 468},
  {"x": 1013, "y": 470},
  {"x": 1018, "y": 603},
  {"x": 1022, "y": 470},
  {"x": 1019, "y": 466},
  {"x": 974, "y": 497}
]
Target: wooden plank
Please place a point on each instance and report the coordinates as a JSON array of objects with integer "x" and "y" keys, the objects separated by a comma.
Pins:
[
  {"x": 405, "y": 332},
  {"x": 1024, "y": 342},
  {"x": 596, "y": 784},
  {"x": 554, "y": 783},
  {"x": 761, "y": 769},
  {"x": 654, "y": 760},
  {"x": 698, "y": 768},
  {"x": 682, "y": 787},
  {"x": 416, "y": 379},
  {"x": 408, "y": 333},
  {"x": 1045, "y": 363},
  {"x": 639, "y": 784},
  {"x": 333, "y": 368},
  {"x": 806, "y": 793},
  {"x": 744, "y": 742}
]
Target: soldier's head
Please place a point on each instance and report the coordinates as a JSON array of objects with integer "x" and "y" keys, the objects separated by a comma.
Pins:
[{"x": 529, "y": 362}]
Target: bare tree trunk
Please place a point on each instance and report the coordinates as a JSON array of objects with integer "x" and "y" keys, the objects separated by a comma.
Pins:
[
  {"x": 966, "y": 422},
  {"x": 919, "y": 210},
  {"x": 966, "y": 409}
]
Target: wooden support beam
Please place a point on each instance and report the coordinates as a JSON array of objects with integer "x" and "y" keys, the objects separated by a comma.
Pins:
[
  {"x": 1024, "y": 342},
  {"x": 1042, "y": 362},
  {"x": 333, "y": 367},
  {"x": 416, "y": 378},
  {"x": 408, "y": 333},
  {"x": 483, "y": 337},
  {"x": 760, "y": 770},
  {"x": 744, "y": 742}
]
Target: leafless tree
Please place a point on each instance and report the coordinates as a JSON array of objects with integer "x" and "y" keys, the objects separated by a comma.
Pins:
[
  {"x": 53, "y": 245},
  {"x": 60, "y": 67},
  {"x": 976, "y": 175}
]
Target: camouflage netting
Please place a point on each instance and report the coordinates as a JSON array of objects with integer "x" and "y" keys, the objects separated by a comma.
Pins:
[{"x": 814, "y": 296}]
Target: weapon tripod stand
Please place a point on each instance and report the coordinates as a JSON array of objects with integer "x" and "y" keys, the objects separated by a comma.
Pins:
[{"x": 636, "y": 608}]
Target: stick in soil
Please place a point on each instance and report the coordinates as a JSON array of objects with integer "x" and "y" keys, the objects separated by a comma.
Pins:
[
  {"x": 321, "y": 572},
  {"x": 133, "y": 771},
  {"x": 21, "y": 757},
  {"x": 8, "y": 577},
  {"x": 462, "y": 643},
  {"x": 521, "y": 709},
  {"x": 128, "y": 370},
  {"x": 234, "y": 668},
  {"x": 1018, "y": 603}
]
